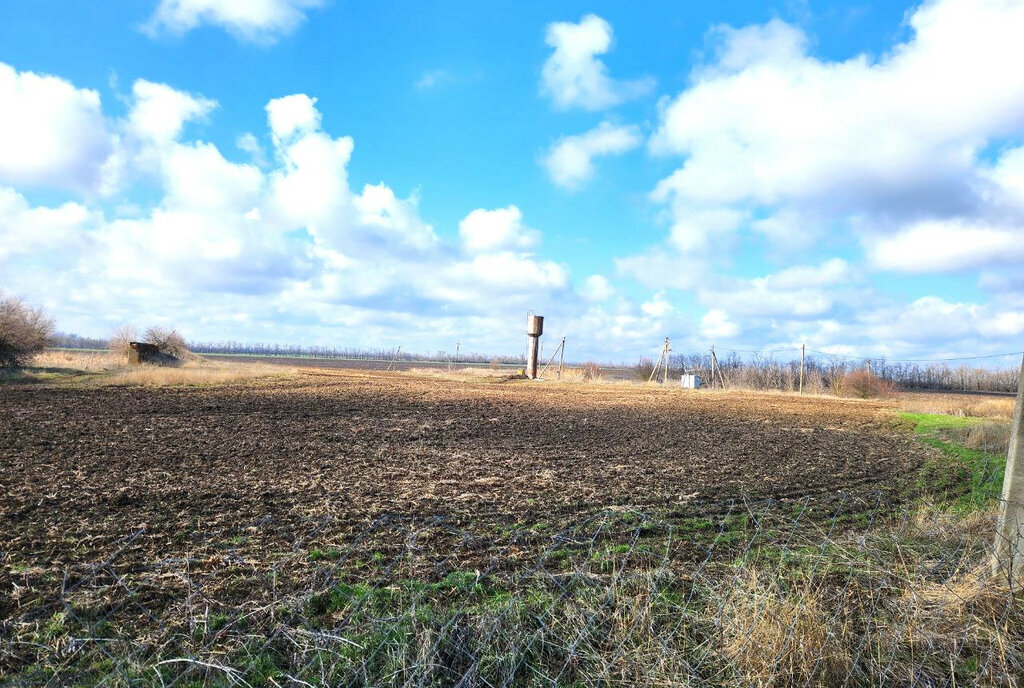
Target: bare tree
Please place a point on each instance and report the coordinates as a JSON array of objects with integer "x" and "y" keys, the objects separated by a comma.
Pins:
[
  {"x": 168, "y": 341},
  {"x": 24, "y": 331},
  {"x": 121, "y": 339}
]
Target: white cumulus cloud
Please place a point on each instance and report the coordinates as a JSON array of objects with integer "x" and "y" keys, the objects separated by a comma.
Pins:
[
  {"x": 597, "y": 288},
  {"x": 716, "y": 325},
  {"x": 261, "y": 21},
  {"x": 496, "y": 230},
  {"x": 891, "y": 150},
  {"x": 292, "y": 114},
  {"x": 570, "y": 161},
  {"x": 768, "y": 121},
  {"x": 946, "y": 245},
  {"x": 159, "y": 112},
  {"x": 574, "y": 76},
  {"x": 287, "y": 252},
  {"x": 52, "y": 134}
]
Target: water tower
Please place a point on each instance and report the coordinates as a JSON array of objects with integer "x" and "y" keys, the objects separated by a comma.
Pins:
[{"x": 534, "y": 329}]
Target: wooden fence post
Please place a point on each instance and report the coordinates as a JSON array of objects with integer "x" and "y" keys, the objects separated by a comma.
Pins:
[{"x": 1009, "y": 546}]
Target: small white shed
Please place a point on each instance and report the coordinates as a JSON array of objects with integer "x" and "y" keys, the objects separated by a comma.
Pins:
[{"x": 690, "y": 381}]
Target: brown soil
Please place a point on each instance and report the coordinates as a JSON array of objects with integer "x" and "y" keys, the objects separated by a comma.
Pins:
[
  {"x": 88, "y": 462},
  {"x": 240, "y": 476}
]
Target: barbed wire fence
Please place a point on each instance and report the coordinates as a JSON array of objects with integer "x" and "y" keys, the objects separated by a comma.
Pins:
[{"x": 832, "y": 589}]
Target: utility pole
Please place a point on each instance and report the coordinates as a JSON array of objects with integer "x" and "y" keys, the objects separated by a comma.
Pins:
[
  {"x": 717, "y": 367},
  {"x": 1009, "y": 547},
  {"x": 561, "y": 357},
  {"x": 560, "y": 347},
  {"x": 662, "y": 357},
  {"x": 664, "y": 379},
  {"x": 713, "y": 366},
  {"x": 802, "y": 351},
  {"x": 397, "y": 352}
]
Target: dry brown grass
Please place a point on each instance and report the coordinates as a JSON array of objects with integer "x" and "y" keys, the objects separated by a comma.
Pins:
[
  {"x": 783, "y": 636},
  {"x": 84, "y": 361},
  {"x": 992, "y": 408},
  {"x": 587, "y": 373},
  {"x": 957, "y": 405},
  {"x": 468, "y": 373},
  {"x": 201, "y": 372},
  {"x": 913, "y": 604},
  {"x": 988, "y": 436},
  {"x": 967, "y": 625},
  {"x": 109, "y": 369}
]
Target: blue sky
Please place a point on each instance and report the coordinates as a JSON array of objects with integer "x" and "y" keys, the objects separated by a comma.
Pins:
[{"x": 755, "y": 175}]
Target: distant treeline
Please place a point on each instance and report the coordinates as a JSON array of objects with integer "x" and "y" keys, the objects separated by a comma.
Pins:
[
  {"x": 63, "y": 340},
  {"x": 241, "y": 349},
  {"x": 823, "y": 374}
]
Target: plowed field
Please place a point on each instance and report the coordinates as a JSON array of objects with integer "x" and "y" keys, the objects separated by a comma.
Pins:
[
  {"x": 81, "y": 467},
  {"x": 129, "y": 511}
]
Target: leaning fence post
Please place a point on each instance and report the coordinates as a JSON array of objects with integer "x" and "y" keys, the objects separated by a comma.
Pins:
[{"x": 1009, "y": 547}]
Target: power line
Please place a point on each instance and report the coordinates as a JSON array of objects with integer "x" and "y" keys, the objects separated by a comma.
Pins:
[
  {"x": 850, "y": 357},
  {"x": 874, "y": 358},
  {"x": 760, "y": 351},
  {"x": 915, "y": 360}
]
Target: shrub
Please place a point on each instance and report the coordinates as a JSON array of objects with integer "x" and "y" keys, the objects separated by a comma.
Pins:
[
  {"x": 864, "y": 384},
  {"x": 24, "y": 331},
  {"x": 642, "y": 370},
  {"x": 591, "y": 371},
  {"x": 168, "y": 341}
]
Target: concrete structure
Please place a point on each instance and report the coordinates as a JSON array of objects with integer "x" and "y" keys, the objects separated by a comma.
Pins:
[
  {"x": 1009, "y": 547},
  {"x": 534, "y": 329},
  {"x": 141, "y": 352}
]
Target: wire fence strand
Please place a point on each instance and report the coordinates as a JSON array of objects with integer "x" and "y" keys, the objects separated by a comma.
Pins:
[{"x": 849, "y": 592}]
